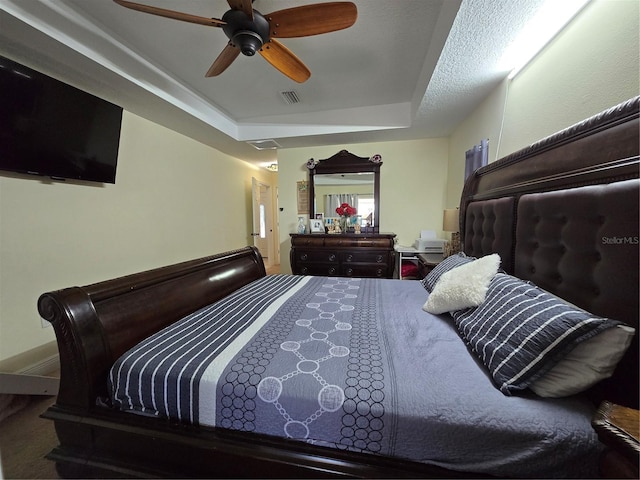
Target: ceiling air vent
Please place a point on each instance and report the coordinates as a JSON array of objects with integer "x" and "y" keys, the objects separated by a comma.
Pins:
[{"x": 290, "y": 97}]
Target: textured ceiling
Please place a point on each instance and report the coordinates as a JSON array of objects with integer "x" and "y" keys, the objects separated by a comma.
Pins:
[{"x": 407, "y": 69}]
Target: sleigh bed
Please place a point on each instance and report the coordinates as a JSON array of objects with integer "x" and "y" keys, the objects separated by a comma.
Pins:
[{"x": 211, "y": 368}]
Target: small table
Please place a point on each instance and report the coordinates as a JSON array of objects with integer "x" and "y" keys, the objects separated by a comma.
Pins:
[{"x": 424, "y": 260}]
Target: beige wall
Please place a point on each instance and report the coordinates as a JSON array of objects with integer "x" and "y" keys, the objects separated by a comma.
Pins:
[
  {"x": 412, "y": 186},
  {"x": 174, "y": 199},
  {"x": 590, "y": 66}
]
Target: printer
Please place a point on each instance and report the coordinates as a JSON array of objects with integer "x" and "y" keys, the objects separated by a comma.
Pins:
[{"x": 429, "y": 243}]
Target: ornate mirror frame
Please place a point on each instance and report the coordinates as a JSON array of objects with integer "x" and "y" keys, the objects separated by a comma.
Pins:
[{"x": 346, "y": 162}]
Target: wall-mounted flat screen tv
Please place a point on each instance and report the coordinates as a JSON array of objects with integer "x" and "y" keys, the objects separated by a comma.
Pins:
[{"x": 53, "y": 129}]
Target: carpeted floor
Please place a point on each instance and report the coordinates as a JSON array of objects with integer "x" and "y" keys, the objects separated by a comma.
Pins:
[{"x": 25, "y": 439}]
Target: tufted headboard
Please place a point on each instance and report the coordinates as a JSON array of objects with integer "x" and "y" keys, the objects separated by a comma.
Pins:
[{"x": 563, "y": 214}]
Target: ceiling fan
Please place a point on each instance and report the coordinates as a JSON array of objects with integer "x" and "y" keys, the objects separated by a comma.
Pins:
[{"x": 249, "y": 31}]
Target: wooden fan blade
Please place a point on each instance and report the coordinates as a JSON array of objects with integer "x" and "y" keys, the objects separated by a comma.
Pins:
[
  {"x": 312, "y": 19},
  {"x": 284, "y": 60},
  {"x": 226, "y": 58},
  {"x": 244, "y": 5},
  {"x": 163, "y": 12}
]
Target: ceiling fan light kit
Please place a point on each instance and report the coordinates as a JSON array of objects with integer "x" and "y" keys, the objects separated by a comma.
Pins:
[
  {"x": 247, "y": 41},
  {"x": 249, "y": 31},
  {"x": 246, "y": 33}
]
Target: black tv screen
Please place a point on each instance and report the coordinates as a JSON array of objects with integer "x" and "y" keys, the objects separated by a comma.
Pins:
[{"x": 53, "y": 129}]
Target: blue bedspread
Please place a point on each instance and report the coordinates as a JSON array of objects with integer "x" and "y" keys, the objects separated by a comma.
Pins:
[{"x": 353, "y": 364}]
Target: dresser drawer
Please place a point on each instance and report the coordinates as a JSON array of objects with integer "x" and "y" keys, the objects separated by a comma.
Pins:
[
  {"x": 307, "y": 241},
  {"x": 315, "y": 256},
  {"x": 364, "y": 256},
  {"x": 318, "y": 269},
  {"x": 364, "y": 270},
  {"x": 358, "y": 242}
]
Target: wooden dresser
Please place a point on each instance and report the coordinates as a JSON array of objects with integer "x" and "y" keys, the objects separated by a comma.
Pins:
[{"x": 343, "y": 255}]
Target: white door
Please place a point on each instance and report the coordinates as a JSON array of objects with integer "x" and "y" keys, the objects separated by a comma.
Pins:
[{"x": 262, "y": 232}]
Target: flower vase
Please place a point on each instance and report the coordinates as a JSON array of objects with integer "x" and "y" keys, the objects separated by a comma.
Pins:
[{"x": 343, "y": 224}]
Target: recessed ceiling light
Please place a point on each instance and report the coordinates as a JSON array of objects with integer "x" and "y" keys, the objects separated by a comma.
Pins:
[{"x": 264, "y": 144}]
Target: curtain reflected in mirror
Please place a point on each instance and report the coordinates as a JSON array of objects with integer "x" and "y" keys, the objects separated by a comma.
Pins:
[
  {"x": 333, "y": 200},
  {"x": 332, "y": 190}
]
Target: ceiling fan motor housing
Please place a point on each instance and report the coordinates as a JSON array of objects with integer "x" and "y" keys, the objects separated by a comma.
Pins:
[{"x": 246, "y": 34}]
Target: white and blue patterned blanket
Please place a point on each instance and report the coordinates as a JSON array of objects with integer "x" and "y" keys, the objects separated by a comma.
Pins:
[{"x": 353, "y": 364}]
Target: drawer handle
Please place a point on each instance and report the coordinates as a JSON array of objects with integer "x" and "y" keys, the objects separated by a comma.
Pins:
[
  {"x": 332, "y": 257},
  {"x": 332, "y": 271},
  {"x": 379, "y": 258},
  {"x": 349, "y": 271},
  {"x": 304, "y": 270},
  {"x": 349, "y": 258},
  {"x": 303, "y": 256},
  {"x": 380, "y": 272}
]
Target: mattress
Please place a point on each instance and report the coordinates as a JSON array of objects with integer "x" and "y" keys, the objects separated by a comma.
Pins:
[{"x": 353, "y": 364}]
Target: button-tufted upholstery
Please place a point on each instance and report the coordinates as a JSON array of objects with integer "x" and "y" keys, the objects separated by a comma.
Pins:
[
  {"x": 579, "y": 243},
  {"x": 582, "y": 244},
  {"x": 489, "y": 229}
]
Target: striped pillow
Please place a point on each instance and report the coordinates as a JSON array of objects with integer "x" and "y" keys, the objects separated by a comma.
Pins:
[
  {"x": 449, "y": 263},
  {"x": 522, "y": 331}
]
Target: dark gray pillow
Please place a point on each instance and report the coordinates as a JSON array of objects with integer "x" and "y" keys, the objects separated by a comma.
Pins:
[
  {"x": 449, "y": 263},
  {"x": 521, "y": 331}
]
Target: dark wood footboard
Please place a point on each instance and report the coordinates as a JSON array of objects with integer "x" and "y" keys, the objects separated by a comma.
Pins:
[{"x": 96, "y": 324}]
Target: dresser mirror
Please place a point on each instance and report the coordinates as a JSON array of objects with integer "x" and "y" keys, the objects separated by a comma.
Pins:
[{"x": 345, "y": 177}]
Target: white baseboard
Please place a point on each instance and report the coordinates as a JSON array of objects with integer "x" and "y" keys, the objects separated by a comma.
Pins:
[
  {"x": 18, "y": 384},
  {"x": 41, "y": 360},
  {"x": 44, "y": 367},
  {"x": 35, "y": 379}
]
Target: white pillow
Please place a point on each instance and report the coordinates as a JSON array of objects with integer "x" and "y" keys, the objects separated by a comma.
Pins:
[
  {"x": 589, "y": 362},
  {"x": 464, "y": 286}
]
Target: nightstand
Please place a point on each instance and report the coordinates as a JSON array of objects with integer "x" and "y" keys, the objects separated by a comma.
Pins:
[
  {"x": 424, "y": 261},
  {"x": 618, "y": 428},
  {"x": 408, "y": 255},
  {"x": 427, "y": 261}
]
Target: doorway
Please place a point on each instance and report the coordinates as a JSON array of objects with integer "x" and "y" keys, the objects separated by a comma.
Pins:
[{"x": 264, "y": 230}]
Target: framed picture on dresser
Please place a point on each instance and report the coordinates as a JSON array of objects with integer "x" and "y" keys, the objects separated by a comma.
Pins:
[{"x": 316, "y": 225}]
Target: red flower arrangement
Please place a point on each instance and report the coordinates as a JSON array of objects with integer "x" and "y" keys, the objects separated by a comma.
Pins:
[{"x": 346, "y": 210}]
